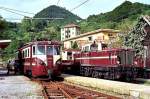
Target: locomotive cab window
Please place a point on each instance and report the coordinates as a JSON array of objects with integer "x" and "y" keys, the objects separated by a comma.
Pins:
[{"x": 87, "y": 48}]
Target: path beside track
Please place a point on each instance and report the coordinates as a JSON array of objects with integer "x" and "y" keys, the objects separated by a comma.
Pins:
[
  {"x": 120, "y": 88},
  {"x": 18, "y": 87}
]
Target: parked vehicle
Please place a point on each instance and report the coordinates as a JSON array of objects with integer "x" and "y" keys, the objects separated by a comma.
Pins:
[
  {"x": 112, "y": 63},
  {"x": 40, "y": 58}
]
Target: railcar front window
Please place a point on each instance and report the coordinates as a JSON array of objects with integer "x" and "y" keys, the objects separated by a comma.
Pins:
[
  {"x": 41, "y": 50},
  {"x": 56, "y": 50},
  {"x": 53, "y": 50},
  {"x": 50, "y": 50}
]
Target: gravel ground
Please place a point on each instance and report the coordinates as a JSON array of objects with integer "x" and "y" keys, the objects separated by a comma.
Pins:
[{"x": 19, "y": 87}]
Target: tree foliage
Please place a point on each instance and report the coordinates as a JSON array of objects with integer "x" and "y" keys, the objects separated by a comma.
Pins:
[
  {"x": 135, "y": 38},
  {"x": 75, "y": 45},
  {"x": 127, "y": 11}
]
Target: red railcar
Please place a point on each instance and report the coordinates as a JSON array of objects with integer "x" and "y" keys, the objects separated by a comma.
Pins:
[{"x": 40, "y": 58}]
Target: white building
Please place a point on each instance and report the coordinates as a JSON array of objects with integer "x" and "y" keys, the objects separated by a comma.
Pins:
[{"x": 69, "y": 31}]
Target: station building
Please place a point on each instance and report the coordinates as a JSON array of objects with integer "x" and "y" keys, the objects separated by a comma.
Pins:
[{"x": 71, "y": 34}]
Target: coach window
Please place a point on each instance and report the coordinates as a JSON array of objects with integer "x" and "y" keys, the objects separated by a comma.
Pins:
[
  {"x": 23, "y": 54},
  {"x": 33, "y": 50},
  {"x": 28, "y": 53},
  {"x": 40, "y": 50}
]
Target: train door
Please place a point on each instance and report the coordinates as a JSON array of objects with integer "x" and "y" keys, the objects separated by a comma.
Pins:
[
  {"x": 26, "y": 60},
  {"x": 39, "y": 60},
  {"x": 53, "y": 59},
  {"x": 129, "y": 58},
  {"x": 53, "y": 55},
  {"x": 49, "y": 56}
]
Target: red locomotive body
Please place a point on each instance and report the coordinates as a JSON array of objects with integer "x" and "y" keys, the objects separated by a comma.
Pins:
[
  {"x": 40, "y": 58},
  {"x": 118, "y": 63},
  {"x": 109, "y": 64}
]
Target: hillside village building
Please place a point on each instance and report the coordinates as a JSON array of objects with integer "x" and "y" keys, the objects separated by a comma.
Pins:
[{"x": 71, "y": 33}]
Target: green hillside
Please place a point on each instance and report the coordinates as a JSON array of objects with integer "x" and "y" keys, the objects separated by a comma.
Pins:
[{"x": 126, "y": 13}]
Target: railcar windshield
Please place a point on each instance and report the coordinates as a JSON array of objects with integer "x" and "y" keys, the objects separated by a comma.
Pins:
[
  {"x": 40, "y": 50},
  {"x": 53, "y": 50}
]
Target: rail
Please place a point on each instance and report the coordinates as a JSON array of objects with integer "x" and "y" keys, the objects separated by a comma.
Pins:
[{"x": 61, "y": 90}]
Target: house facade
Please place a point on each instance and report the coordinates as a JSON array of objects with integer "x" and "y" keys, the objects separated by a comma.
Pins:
[
  {"x": 69, "y": 31},
  {"x": 104, "y": 36}
]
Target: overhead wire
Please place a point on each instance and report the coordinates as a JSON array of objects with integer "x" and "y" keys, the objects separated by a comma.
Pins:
[
  {"x": 58, "y": 2},
  {"x": 16, "y": 10},
  {"x": 26, "y": 17},
  {"x": 79, "y": 5}
]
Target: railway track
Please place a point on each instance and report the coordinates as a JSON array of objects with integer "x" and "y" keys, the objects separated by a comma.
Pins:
[{"x": 60, "y": 90}]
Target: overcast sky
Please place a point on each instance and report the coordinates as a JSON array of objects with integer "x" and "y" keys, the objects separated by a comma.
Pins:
[{"x": 34, "y": 6}]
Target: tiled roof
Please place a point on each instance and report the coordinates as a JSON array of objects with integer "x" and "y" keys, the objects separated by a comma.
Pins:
[
  {"x": 70, "y": 25},
  {"x": 4, "y": 43}
]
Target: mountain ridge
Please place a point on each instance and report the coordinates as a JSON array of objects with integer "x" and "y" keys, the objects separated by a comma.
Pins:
[{"x": 54, "y": 11}]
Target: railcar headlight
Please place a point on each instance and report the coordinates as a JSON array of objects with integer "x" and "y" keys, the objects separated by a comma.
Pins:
[
  {"x": 135, "y": 62},
  {"x": 118, "y": 62},
  {"x": 41, "y": 63}
]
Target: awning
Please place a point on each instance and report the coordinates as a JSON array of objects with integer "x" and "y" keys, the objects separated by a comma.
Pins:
[{"x": 4, "y": 43}]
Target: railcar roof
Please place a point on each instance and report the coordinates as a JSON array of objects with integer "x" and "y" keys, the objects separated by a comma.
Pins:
[{"x": 42, "y": 43}]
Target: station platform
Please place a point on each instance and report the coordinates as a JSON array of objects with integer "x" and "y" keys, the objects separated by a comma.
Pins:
[
  {"x": 138, "y": 91},
  {"x": 18, "y": 87}
]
